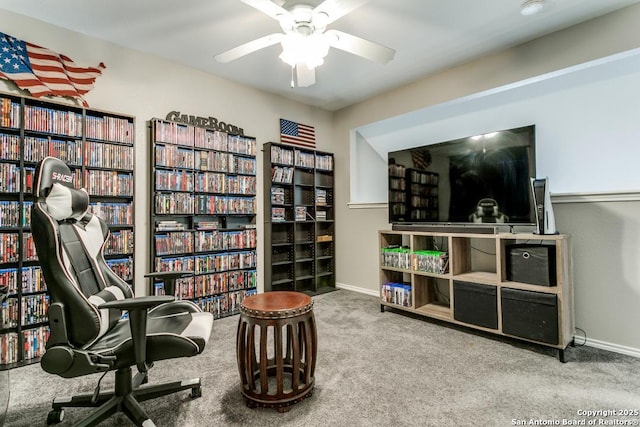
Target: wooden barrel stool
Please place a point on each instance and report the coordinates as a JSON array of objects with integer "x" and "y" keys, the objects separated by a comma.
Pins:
[{"x": 276, "y": 349}]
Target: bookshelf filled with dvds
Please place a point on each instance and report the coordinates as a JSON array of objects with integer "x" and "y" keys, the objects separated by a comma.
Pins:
[
  {"x": 203, "y": 216},
  {"x": 299, "y": 219},
  {"x": 99, "y": 148}
]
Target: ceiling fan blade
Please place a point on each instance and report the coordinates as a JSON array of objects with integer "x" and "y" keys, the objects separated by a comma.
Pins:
[
  {"x": 267, "y": 7},
  {"x": 306, "y": 76},
  {"x": 249, "y": 47},
  {"x": 336, "y": 9},
  {"x": 359, "y": 46}
]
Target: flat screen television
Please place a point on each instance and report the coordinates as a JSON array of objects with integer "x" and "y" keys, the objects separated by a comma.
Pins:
[{"x": 479, "y": 180}]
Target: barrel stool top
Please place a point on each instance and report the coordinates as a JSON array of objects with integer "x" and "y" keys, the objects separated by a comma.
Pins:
[{"x": 276, "y": 304}]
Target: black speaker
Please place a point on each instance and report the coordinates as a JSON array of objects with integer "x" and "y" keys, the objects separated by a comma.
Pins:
[{"x": 534, "y": 264}]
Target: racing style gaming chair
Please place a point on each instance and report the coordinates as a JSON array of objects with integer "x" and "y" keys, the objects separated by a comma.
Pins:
[{"x": 89, "y": 334}]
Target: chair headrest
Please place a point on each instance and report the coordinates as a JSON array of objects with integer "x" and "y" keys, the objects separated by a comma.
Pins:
[{"x": 54, "y": 185}]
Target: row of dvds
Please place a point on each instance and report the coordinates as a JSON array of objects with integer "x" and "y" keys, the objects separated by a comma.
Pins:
[
  {"x": 188, "y": 204},
  {"x": 218, "y": 262},
  {"x": 98, "y": 154},
  {"x": 216, "y": 205},
  {"x": 9, "y": 113},
  {"x": 33, "y": 345},
  {"x": 281, "y": 155},
  {"x": 278, "y": 196},
  {"x": 210, "y": 139},
  {"x": 14, "y": 214},
  {"x": 173, "y": 133},
  {"x": 28, "y": 248},
  {"x": 176, "y": 242},
  {"x": 281, "y": 175},
  {"x": 176, "y": 133},
  {"x": 61, "y": 122},
  {"x": 108, "y": 183},
  {"x": 9, "y": 249},
  {"x": 169, "y": 225},
  {"x": 225, "y": 240},
  {"x": 32, "y": 279},
  {"x": 397, "y": 184},
  {"x": 175, "y": 157},
  {"x": 123, "y": 267},
  {"x": 324, "y": 162},
  {"x": 225, "y": 304},
  {"x": 37, "y": 148},
  {"x": 431, "y": 261},
  {"x": 175, "y": 180},
  {"x": 397, "y": 197},
  {"x": 397, "y": 293},
  {"x": 396, "y": 257},
  {"x": 119, "y": 242},
  {"x": 321, "y": 197},
  {"x": 424, "y": 190},
  {"x": 397, "y": 171},
  {"x": 9, "y": 313},
  {"x": 206, "y": 182},
  {"x": 110, "y": 128},
  {"x": 34, "y": 309},
  {"x": 113, "y": 213},
  {"x": 421, "y": 177},
  {"x": 9, "y": 146},
  {"x": 278, "y": 214},
  {"x": 304, "y": 159},
  {"x": 423, "y": 202},
  {"x": 211, "y": 263},
  {"x": 210, "y": 284}
]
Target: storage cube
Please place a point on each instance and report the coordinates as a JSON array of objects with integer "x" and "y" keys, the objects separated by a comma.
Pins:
[
  {"x": 475, "y": 303},
  {"x": 530, "y": 315}
]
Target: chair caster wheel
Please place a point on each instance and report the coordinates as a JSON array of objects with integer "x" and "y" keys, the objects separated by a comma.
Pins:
[
  {"x": 196, "y": 392},
  {"x": 55, "y": 416}
]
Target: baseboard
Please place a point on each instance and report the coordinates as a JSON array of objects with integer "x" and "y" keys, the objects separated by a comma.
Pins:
[
  {"x": 602, "y": 345},
  {"x": 357, "y": 289},
  {"x": 616, "y": 348}
]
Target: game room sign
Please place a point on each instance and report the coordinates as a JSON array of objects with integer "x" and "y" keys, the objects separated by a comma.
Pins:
[{"x": 204, "y": 122}]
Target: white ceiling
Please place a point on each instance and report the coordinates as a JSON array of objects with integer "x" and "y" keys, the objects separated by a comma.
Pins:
[{"x": 427, "y": 35}]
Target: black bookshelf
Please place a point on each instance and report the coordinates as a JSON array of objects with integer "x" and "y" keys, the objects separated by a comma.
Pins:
[
  {"x": 203, "y": 216},
  {"x": 99, "y": 148},
  {"x": 299, "y": 219}
]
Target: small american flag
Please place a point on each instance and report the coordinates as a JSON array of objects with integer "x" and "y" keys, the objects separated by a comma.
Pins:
[
  {"x": 296, "y": 133},
  {"x": 43, "y": 72}
]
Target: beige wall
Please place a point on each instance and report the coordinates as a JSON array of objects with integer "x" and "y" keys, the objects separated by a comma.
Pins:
[
  {"x": 147, "y": 87},
  {"x": 357, "y": 226}
]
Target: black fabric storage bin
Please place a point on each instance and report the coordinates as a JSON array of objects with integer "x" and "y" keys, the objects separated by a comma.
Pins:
[
  {"x": 534, "y": 264},
  {"x": 475, "y": 304},
  {"x": 531, "y": 315}
]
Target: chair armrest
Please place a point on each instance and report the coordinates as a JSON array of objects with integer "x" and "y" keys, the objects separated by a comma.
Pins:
[
  {"x": 138, "y": 303},
  {"x": 137, "y": 308},
  {"x": 169, "y": 279}
]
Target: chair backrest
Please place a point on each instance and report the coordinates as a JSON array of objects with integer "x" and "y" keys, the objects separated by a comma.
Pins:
[{"x": 69, "y": 243}]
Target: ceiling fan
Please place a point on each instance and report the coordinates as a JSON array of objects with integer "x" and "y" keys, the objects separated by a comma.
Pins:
[{"x": 305, "y": 39}]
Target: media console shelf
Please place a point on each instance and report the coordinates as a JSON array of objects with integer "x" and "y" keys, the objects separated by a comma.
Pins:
[{"x": 516, "y": 285}]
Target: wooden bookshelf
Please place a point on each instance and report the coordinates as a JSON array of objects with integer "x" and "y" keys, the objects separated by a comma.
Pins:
[
  {"x": 299, "y": 219},
  {"x": 466, "y": 282},
  {"x": 98, "y": 146},
  {"x": 203, "y": 184}
]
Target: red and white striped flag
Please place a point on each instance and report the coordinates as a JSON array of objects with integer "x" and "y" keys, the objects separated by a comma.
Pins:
[
  {"x": 43, "y": 72},
  {"x": 296, "y": 133}
]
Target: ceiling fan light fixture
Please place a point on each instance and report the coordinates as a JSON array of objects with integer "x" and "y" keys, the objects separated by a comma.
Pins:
[
  {"x": 308, "y": 50},
  {"x": 531, "y": 7}
]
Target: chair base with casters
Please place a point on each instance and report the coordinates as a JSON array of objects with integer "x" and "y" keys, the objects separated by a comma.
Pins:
[{"x": 124, "y": 398}]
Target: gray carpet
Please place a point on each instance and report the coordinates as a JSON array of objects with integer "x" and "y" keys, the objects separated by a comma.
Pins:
[{"x": 375, "y": 369}]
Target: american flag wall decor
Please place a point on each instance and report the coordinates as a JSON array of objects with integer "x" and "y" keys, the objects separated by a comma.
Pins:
[
  {"x": 43, "y": 72},
  {"x": 297, "y": 133}
]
